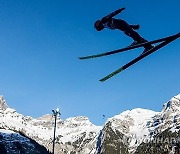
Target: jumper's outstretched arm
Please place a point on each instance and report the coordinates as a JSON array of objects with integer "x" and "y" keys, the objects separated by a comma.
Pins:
[{"x": 106, "y": 18}]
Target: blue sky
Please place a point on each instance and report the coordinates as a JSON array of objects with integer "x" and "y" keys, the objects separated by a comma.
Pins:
[{"x": 41, "y": 40}]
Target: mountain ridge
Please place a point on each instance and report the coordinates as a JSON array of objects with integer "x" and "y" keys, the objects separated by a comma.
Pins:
[{"x": 128, "y": 132}]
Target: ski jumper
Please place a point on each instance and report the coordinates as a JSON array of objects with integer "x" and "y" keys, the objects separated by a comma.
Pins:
[{"x": 112, "y": 23}]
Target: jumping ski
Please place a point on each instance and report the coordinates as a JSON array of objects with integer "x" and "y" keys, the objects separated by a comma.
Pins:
[
  {"x": 128, "y": 48},
  {"x": 162, "y": 44}
]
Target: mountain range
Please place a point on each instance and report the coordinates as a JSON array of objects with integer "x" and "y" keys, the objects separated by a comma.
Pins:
[{"x": 137, "y": 131}]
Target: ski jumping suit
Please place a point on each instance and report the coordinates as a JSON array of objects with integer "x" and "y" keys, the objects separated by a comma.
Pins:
[{"x": 129, "y": 30}]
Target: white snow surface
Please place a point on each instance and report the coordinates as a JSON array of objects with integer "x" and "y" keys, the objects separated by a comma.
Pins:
[{"x": 6, "y": 131}]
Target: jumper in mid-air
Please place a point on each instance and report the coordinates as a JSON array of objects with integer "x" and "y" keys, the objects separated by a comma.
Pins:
[{"x": 112, "y": 23}]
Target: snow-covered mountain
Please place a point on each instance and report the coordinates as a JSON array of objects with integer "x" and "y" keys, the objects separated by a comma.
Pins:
[
  {"x": 143, "y": 131},
  {"x": 75, "y": 135},
  {"x": 137, "y": 131}
]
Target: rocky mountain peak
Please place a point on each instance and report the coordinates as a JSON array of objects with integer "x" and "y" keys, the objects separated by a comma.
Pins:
[
  {"x": 79, "y": 121},
  {"x": 3, "y": 105},
  {"x": 46, "y": 117},
  {"x": 128, "y": 120},
  {"x": 172, "y": 105}
]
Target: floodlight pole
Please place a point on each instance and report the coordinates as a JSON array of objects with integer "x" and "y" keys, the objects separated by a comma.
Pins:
[{"x": 55, "y": 114}]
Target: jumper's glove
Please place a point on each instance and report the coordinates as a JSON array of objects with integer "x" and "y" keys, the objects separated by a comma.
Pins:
[
  {"x": 123, "y": 8},
  {"x": 118, "y": 11},
  {"x": 135, "y": 27},
  {"x": 109, "y": 16}
]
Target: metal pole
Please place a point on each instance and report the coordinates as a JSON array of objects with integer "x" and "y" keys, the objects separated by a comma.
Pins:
[
  {"x": 55, "y": 114},
  {"x": 54, "y": 133}
]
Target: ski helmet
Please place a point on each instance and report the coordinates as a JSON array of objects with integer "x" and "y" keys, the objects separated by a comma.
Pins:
[{"x": 98, "y": 25}]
